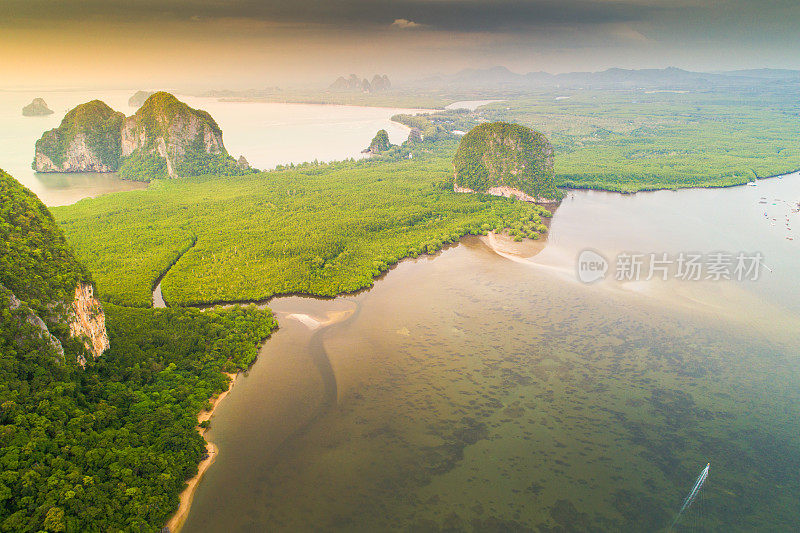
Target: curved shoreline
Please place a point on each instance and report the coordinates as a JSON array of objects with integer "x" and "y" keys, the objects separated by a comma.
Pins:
[
  {"x": 265, "y": 301},
  {"x": 681, "y": 188},
  {"x": 177, "y": 520},
  {"x": 313, "y": 323}
]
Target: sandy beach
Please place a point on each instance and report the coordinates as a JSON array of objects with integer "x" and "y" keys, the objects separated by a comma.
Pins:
[
  {"x": 179, "y": 518},
  {"x": 176, "y": 522},
  {"x": 312, "y": 322}
]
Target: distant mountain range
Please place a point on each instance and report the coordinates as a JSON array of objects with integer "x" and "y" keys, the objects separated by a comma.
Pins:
[
  {"x": 668, "y": 78},
  {"x": 355, "y": 84}
]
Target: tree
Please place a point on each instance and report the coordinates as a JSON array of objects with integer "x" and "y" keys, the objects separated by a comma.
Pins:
[{"x": 380, "y": 143}]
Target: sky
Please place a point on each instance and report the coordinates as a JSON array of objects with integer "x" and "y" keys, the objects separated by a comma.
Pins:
[{"x": 261, "y": 43}]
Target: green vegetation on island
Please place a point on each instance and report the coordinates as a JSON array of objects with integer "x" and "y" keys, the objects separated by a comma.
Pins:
[
  {"x": 639, "y": 140},
  {"x": 165, "y": 138},
  {"x": 37, "y": 265},
  {"x": 107, "y": 447},
  {"x": 442, "y": 124},
  {"x": 635, "y": 140},
  {"x": 313, "y": 229},
  {"x": 380, "y": 143},
  {"x": 499, "y": 154},
  {"x": 91, "y": 130}
]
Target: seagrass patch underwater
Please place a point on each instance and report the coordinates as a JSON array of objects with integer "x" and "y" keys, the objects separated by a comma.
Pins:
[{"x": 477, "y": 394}]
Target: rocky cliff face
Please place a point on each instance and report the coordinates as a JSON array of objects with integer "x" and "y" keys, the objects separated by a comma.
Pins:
[
  {"x": 506, "y": 160},
  {"x": 77, "y": 157},
  {"x": 170, "y": 129},
  {"x": 34, "y": 320},
  {"x": 88, "y": 321},
  {"x": 47, "y": 301},
  {"x": 165, "y": 138},
  {"x": 510, "y": 192},
  {"x": 36, "y": 108},
  {"x": 86, "y": 141}
]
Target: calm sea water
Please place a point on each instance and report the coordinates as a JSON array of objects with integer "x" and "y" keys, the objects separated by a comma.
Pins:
[
  {"x": 476, "y": 392},
  {"x": 266, "y": 134}
]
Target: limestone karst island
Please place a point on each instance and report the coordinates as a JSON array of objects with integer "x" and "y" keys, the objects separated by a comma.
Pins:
[
  {"x": 164, "y": 138},
  {"x": 413, "y": 266},
  {"x": 37, "y": 108},
  {"x": 509, "y": 160}
]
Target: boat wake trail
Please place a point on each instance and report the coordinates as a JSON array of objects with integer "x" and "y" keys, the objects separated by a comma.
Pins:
[{"x": 698, "y": 485}]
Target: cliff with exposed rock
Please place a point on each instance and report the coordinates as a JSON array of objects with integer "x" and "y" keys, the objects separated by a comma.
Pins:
[
  {"x": 168, "y": 129},
  {"x": 47, "y": 295},
  {"x": 165, "y": 138},
  {"x": 88, "y": 140},
  {"x": 88, "y": 321}
]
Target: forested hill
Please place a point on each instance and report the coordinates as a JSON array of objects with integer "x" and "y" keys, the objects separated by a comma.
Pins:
[
  {"x": 38, "y": 271},
  {"x": 108, "y": 446},
  {"x": 507, "y": 156}
]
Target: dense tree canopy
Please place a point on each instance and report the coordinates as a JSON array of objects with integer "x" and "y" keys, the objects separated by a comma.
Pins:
[
  {"x": 315, "y": 229},
  {"x": 108, "y": 447},
  {"x": 499, "y": 154},
  {"x": 36, "y": 263},
  {"x": 380, "y": 143},
  {"x": 636, "y": 140}
]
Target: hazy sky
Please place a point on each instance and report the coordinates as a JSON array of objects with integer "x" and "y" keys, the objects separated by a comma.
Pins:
[{"x": 256, "y": 43}]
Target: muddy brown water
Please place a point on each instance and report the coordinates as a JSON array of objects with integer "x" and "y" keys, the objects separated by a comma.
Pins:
[{"x": 471, "y": 391}]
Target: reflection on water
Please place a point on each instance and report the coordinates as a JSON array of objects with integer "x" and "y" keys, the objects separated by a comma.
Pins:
[
  {"x": 474, "y": 393},
  {"x": 271, "y": 134},
  {"x": 762, "y": 219},
  {"x": 18, "y": 138},
  {"x": 266, "y": 134}
]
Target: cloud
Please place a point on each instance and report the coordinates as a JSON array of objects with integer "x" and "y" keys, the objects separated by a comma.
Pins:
[
  {"x": 625, "y": 32},
  {"x": 405, "y": 24},
  {"x": 461, "y": 16}
]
